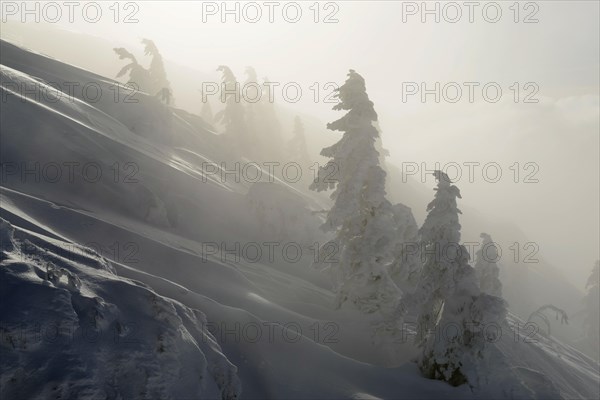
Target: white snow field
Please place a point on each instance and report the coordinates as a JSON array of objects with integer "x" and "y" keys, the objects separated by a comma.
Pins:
[{"x": 118, "y": 282}]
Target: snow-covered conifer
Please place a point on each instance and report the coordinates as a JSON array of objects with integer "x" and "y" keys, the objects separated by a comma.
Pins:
[
  {"x": 454, "y": 317},
  {"x": 360, "y": 215}
]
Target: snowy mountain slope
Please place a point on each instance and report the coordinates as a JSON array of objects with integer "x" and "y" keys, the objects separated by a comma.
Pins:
[
  {"x": 154, "y": 230},
  {"x": 550, "y": 363},
  {"x": 71, "y": 328},
  {"x": 264, "y": 363},
  {"x": 275, "y": 365},
  {"x": 103, "y": 59}
]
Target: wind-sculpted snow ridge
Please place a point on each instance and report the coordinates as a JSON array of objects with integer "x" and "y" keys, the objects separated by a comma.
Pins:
[{"x": 71, "y": 328}]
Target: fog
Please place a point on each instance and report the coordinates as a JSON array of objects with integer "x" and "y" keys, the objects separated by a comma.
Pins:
[
  {"x": 503, "y": 97},
  {"x": 559, "y": 133}
]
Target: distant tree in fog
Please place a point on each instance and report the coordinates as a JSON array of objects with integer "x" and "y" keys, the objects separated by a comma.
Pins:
[
  {"x": 139, "y": 77},
  {"x": 251, "y": 88},
  {"x": 296, "y": 147},
  {"x": 486, "y": 268},
  {"x": 165, "y": 95},
  {"x": 539, "y": 313},
  {"x": 152, "y": 80},
  {"x": 268, "y": 124},
  {"x": 232, "y": 116},
  {"x": 592, "y": 306},
  {"x": 158, "y": 75},
  {"x": 251, "y": 93}
]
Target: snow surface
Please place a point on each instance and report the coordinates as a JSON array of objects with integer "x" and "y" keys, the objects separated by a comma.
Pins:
[{"x": 163, "y": 317}]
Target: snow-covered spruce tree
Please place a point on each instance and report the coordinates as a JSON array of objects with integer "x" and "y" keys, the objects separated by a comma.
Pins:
[
  {"x": 360, "y": 216},
  {"x": 439, "y": 234},
  {"x": 592, "y": 306},
  {"x": 486, "y": 268},
  {"x": 453, "y": 314}
]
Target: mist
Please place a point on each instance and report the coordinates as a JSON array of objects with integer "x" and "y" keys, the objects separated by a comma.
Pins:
[
  {"x": 503, "y": 98},
  {"x": 559, "y": 133}
]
